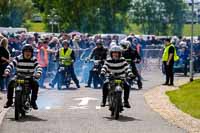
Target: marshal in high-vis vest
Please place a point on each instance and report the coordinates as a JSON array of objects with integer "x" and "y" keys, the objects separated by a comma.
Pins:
[
  {"x": 66, "y": 58},
  {"x": 169, "y": 57}
]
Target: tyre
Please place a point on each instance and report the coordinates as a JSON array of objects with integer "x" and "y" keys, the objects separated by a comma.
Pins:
[
  {"x": 23, "y": 113},
  {"x": 68, "y": 81},
  {"x": 110, "y": 101},
  {"x": 17, "y": 105},
  {"x": 139, "y": 83},
  {"x": 25, "y": 99},
  {"x": 117, "y": 106},
  {"x": 67, "y": 86}
]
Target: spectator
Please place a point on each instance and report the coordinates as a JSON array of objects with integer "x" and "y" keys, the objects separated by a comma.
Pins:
[
  {"x": 43, "y": 61},
  {"x": 4, "y": 61}
]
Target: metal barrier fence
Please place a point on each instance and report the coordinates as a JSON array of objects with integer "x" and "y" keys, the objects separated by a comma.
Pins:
[{"x": 151, "y": 60}]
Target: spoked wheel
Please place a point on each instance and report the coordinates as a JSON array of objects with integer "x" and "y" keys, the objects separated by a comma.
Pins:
[
  {"x": 23, "y": 113},
  {"x": 111, "y": 105},
  {"x": 68, "y": 81},
  {"x": 117, "y": 106},
  {"x": 110, "y": 102},
  {"x": 139, "y": 85},
  {"x": 17, "y": 105}
]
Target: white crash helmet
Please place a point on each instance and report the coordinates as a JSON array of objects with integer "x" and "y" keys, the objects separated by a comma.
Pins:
[
  {"x": 182, "y": 43},
  {"x": 113, "y": 43},
  {"x": 125, "y": 44},
  {"x": 115, "y": 49}
]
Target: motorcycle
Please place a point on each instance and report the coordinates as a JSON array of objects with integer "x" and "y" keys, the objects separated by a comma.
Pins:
[
  {"x": 136, "y": 80},
  {"x": 15, "y": 52},
  {"x": 22, "y": 95},
  {"x": 97, "y": 65},
  {"x": 115, "y": 88},
  {"x": 64, "y": 77}
]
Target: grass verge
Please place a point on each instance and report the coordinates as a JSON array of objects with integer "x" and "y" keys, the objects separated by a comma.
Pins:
[
  {"x": 186, "y": 29},
  {"x": 35, "y": 26},
  {"x": 187, "y": 98}
]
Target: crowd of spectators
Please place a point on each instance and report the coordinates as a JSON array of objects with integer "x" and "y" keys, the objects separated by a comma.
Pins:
[{"x": 84, "y": 43}]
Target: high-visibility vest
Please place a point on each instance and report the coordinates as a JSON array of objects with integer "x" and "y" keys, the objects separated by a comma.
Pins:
[
  {"x": 166, "y": 53},
  {"x": 65, "y": 58},
  {"x": 43, "y": 61}
]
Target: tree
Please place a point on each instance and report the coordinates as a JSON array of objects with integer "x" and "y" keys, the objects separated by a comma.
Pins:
[
  {"x": 14, "y": 12},
  {"x": 156, "y": 15},
  {"x": 89, "y": 15},
  {"x": 113, "y": 14},
  {"x": 175, "y": 9}
]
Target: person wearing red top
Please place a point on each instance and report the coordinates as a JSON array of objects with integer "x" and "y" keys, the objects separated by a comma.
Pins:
[{"x": 42, "y": 57}]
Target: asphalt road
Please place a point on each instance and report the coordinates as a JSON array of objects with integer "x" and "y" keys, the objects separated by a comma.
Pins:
[{"x": 64, "y": 112}]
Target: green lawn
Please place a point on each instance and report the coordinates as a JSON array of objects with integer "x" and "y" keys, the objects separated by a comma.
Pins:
[
  {"x": 187, "y": 98},
  {"x": 40, "y": 27},
  {"x": 35, "y": 27},
  {"x": 186, "y": 29}
]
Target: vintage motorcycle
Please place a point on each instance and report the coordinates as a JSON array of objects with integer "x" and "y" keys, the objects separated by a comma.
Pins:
[
  {"x": 64, "y": 77},
  {"x": 22, "y": 95},
  {"x": 116, "y": 89}
]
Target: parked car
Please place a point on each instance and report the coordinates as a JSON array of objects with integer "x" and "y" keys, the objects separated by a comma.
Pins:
[{"x": 36, "y": 18}]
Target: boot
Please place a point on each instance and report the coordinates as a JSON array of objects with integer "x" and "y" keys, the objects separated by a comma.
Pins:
[
  {"x": 88, "y": 86},
  {"x": 51, "y": 85},
  {"x": 33, "y": 101},
  {"x": 103, "y": 103},
  {"x": 8, "y": 104},
  {"x": 78, "y": 86},
  {"x": 34, "y": 105},
  {"x": 139, "y": 84},
  {"x": 126, "y": 104}
]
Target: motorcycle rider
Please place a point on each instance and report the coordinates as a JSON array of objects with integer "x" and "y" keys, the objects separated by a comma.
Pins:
[
  {"x": 98, "y": 53},
  {"x": 66, "y": 52},
  {"x": 117, "y": 66},
  {"x": 25, "y": 64},
  {"x": 132, "y": 54}
]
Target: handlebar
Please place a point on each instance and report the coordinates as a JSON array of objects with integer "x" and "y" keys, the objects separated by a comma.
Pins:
[
  {"x": 66, "y": 59},
  {"x": 95, "y": 61},
  {"x": 113, "y": 76},
  {"x": 134, "y": 61},
  {"x": 26, "y": 76}
]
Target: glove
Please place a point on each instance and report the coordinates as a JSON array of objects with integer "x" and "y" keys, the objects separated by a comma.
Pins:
[
  {"x": 87, "y": 60},
  {"x": 37, "y": 76},
  {"x": 131, "y": 76},
  {"x": 6, "y": 74},
  {"x": 137, "y": 61},
  {"x": 102, "y": 75}
]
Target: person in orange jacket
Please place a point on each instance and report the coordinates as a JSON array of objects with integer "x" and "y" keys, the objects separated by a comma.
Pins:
[{"x": 43, "y": 61}]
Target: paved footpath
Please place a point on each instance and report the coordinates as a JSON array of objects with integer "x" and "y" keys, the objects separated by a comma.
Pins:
[
  {"x": 168, "y": 110},
  {"x": 78, "y": 111}
]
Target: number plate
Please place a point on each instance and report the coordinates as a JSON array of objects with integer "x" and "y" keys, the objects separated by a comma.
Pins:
[{"x": 18, "y": 88}]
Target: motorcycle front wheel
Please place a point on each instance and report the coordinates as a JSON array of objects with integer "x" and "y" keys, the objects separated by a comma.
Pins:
[
  {"x": 117, "y": 105},
  {"x": 17, "y": 105}
]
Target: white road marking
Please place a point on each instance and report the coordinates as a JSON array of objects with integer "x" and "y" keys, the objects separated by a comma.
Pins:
[
  {"x": 98, "y": 107},
  {"x": 85, "y": 100},
  {"x": 47, "y": 107},
  {"x": 78, "y": 107}
]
